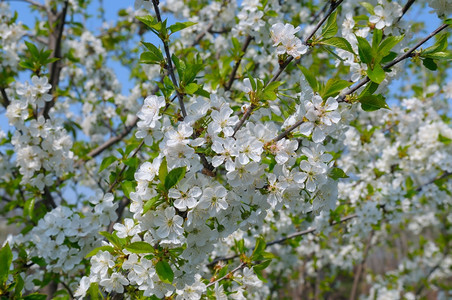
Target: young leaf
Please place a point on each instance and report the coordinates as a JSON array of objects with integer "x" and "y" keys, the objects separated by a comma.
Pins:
[
  {"x": 101, "y": 248},
  {"x": 377, "y": 74},
  {"x": 338, "y": 42},
  {"x": 191, "y": 88},
  {"x": 336, "y": 173},
  {"x": 6, "y": 258},
  {"x": 330, "y": 28},
  {"x": 430, "y": 64},
  {"x": 140, "y": 247},
  {"x": 373, "y": 102},
  {"x": 387, "y": 44},
  {"x": 259, "y": 248},
  {"x": 310, "y": 78},
  {"x": 364, "y": 50},
  {"x": 149, "y": 204},
  {"x": 128, "y": 187},
  {"x": 106, "y": 162},
  {"x": 163, "y": 170},
  {"x": 368, "y": 7},
  {"x": 164, "y": 271},
  {"x": 179, "y": 26},
  {"x": 174, "y": 176},
  {"x": 333, "y": 87}
]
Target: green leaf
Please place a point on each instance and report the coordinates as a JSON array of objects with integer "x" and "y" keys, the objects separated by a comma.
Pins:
[
  {"x": 152, "y": 48},
  {"x": 310, "y": 78},
  {"x": 330, "y": 28},
  {"x": 148, "y": 20},
  {"x": 113, "y": 238},
  {"x": 128, "y": 187},
  {"x": 179, "y": 26},
  {"x": 260, "y": 267},
  {"x": 106, "y": 162},
  {"x": 259, "y": 248},
  {"x": 191, "y": 88},
  {"x": 6, "y": 258},
  {"x": 35, "y": 54},
  {"x": 252, "y": 81},
  {"x": 35, "y": 296},
  {"x": 376, "y": 38},
  {"x": 440, "y": 44},
  {"x": 174, "y": 176},
  {"x": 368, "y": 7},
  {"x": 163, "y": 170},
  {"x": 443, "y": 139},
  {"x": 19, "y": 286},
  {"x": 150, "y": 204},
  {"x": 387, "y": 44},
  {"x": 338, "y": 42},
  {"x": 150, "y": 58},
  {"x": 430, "y": 64},
  {"x": 377, "y": 74},
  {"x": 140, "y": 247},
  {"x": 370, "y": 88},
  {"x": 101, "y": 248},
  {"x": 373, "y": 102},
  {"x": 333, "y": 87},
  {"x": 336, "y": 173},
  {"x": 439, "y": 55},
  {"x": 164, "y": 271},
  {"x": 29, "y": 207},
  {"x": 364, "y": 50},
  {"x": 94, "y": 292}
]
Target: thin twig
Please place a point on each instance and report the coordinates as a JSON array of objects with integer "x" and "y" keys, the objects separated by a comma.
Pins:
[
  {"x": 169, "y": 63},
  {"x": 407, "y": 54},
  {"x": 118, "y": 177},
  {"x": 333, "y": 6},
  {"x": 405, "y": 9},
  {"x": 34, "y": 3},
  {"x": 360, "y": 268},
  {"x": 281, "y": 240},
  {"x": 444, "y": 175},
  {"x": 242, "y": 265},
  {"x": 237, "y": 63}
]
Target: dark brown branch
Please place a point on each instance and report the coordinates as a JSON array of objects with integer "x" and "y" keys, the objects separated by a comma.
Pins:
[
  {"x": 406, "y": 8},
  {"x": 55, "y": 39},
  {"x": 110, "y": 142},
  {"x": 169, "y": 62},
  {"x": 287, "y": 131},
  {"x": 237, "y": 63},
  {"x": 6, "y": 101},
  {"x": 359, "y": 270},
  {"x": 444, "y": 175},
  {"x": 333, "y": 6}
]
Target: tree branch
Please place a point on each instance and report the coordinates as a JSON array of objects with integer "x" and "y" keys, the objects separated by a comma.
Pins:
[
  {"x": 283, "y": 66},
  {"x": 169, "y": 62},
  {"x": 237, "y": 63},
  {"x": 407, "y": 54},
  {"x": 281, "y": 240},
  {"x": 360, "y": 268},
  {"x": 6, "y": 101},
  {"x": 241, "y": 266},
  {"x": 118, "y": 177},
  {"x": 55, "y": 67}
]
